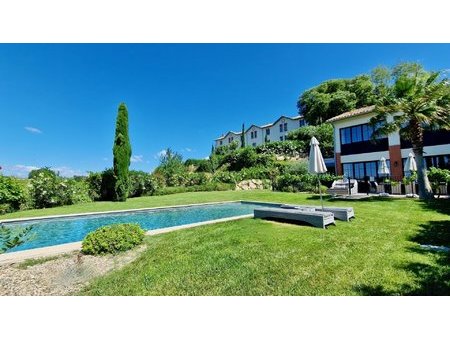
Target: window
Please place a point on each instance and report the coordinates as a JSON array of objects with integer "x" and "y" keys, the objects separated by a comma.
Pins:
[
  {"x": 285, "y": 127},
  {"x": 367, "y": 132},
  {"x": 254, "y": 144},
  {"x": 441, "y": 161},
  {"x": 251, "y": 134},
  {"x": 220, "y": 142},
  {"x": 345, "y": 136},
  {"x": 281, "y": 138},
  {"x": 371, "y": 169},
  {"x": 348, "y": 170},
  {"x": 356, "y": 134},
  {"x": 301, "y": 123},
  {"x": 359, "y": 170},
  {"x": 230, "y": 139},
  {"x": 281, "y": 128},
  {"x": 267, "y": 131},
  {"x": 256, "y": 133}
]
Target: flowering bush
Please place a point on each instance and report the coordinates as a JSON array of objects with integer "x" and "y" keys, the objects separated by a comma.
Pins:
[
  {"x": 281, "y": 148},
  {"x": 141, "y": 184},
  {"x": 13, "y": 193},
  {"x": 47, "y": 189},
  {"x": 74, "y": 192}
]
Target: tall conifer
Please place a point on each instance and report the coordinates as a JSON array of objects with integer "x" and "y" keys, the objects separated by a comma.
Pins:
[{"x": 122, "y": 155}]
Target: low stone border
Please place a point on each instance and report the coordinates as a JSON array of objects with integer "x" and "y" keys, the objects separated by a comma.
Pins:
[{"x": 54, "y": 250}]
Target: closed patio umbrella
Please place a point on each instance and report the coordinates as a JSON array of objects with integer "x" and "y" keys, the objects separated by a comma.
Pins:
[
  {"x": 316, "y": 163},
  {"x": 410, "y": 164},
  {"x": 383, "y": 169},
  {"x": 410, "y": 167}
]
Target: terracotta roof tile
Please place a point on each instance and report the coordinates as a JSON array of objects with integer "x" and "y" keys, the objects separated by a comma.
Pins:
[{"x": 356, "y": 112}]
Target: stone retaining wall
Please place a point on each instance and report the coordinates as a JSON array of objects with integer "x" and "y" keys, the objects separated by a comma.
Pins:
[{"x": 254, "y": 185}]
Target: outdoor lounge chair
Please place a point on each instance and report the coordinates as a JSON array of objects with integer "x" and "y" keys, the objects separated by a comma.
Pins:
[
  {"x": 341, "y": 213},
  {"x": 341, "y": 187},
  {"x": 317, "y": 218}
]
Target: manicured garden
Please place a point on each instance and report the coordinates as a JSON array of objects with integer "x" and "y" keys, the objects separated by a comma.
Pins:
[{"x": 378, "y": 253}]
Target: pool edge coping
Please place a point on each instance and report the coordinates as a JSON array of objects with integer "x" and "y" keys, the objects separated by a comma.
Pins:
[
  {"x": 60, "y": 249},
  {"x": 27, "y": 219}
]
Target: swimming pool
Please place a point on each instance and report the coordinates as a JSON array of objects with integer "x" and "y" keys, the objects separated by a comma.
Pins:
[{"x": 54, "y": 231}]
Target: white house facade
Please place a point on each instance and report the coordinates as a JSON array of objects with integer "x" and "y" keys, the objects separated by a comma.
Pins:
[
  {"x": 256, "y": 135},
  {"x": 357, "y": 155}
]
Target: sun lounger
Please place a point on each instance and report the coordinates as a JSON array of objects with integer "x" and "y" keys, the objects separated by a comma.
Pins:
[
  {"x": 316, "y": 218},
  {"x": 343, "y": 214}
]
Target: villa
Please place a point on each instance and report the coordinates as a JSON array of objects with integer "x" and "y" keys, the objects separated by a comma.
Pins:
[
  {"x": 256, "y": 135},
  {"x": 357, "y": 156}
]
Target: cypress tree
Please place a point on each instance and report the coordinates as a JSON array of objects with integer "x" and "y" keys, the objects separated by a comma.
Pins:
[
  {"x": 243, "y": 136},
  {"x": 122, "y": 155}
]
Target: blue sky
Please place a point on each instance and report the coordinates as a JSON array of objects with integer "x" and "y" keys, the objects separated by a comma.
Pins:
[{"x": 58, "y": 102}]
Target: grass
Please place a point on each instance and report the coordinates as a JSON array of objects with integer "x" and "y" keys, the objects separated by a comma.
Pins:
[{"x": 376, "y": 254}]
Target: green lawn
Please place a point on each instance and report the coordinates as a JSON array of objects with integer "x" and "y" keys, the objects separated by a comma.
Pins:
[{"x": 376, "y": 254}]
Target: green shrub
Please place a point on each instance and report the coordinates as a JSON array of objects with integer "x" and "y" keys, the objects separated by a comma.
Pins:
[
  {"x": 212, "y": 186},
  {"x": 107, "y": 187},
  {"x": 281, "y": 148},
  {"x": 197, "y": 179},
  {"x": 172, "y": 169},
  {"x": 437, "y": 177},
  {"x": 226, "y": 149},
  {"x": 5, "y": 208},
  {"x": 296, "y": 183},
  {"x": 94, "y": 181},
  {"x": 226, "y": 177},
  {"x": 101, "y": 185},
  {"x": 323, "y": 133},
  {"x": 245, "y": 158},
  {"x": 296, "y": 167},
  {"x": 12, "y": 192},
  {"x": 200, "y": 165},
  {"x": 258, "y": 172},
  {"x": 112, "y": 239}
]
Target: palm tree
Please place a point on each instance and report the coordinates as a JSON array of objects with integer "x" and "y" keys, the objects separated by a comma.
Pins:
[{"x": 413, "y": 101}]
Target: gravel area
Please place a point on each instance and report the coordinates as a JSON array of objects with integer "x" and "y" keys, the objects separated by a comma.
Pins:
[{"x": 62, "y": 275}]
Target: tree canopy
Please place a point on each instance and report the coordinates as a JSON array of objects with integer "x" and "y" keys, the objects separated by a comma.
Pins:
[
  {"x": 334, "y": 97},
  {"x": 323, "y": 133}
]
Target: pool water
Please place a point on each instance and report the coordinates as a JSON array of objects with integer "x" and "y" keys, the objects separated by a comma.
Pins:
[{"x": 47, "y": 232}]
